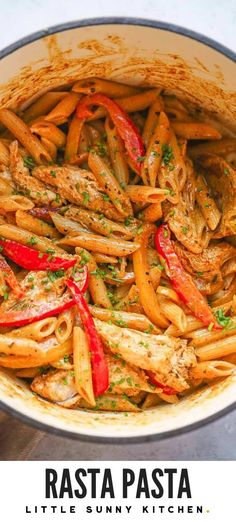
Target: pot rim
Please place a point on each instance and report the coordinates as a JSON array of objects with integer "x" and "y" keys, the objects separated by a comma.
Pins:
[{"x": 155, "y": 24}]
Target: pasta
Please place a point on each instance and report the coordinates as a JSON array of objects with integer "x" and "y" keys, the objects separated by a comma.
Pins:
[{"x": 117, "y": 247}]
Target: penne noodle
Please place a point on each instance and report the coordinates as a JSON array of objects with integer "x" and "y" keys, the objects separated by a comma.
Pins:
[
  {"x": 147, "y": 294},
  {"x": 107, "y": 87},
  {"x": 173, "y": 312},
  {"x": 125, "y": 319},
  {"x": 13, "y": 203},
  {"x": 212, "y": 370},
  {"x": 18, "y": 346},
  {"x": 64, "y": 325},
  {"x": 151, "y": 120},
  {"x": 152, "y": 161},
  {"x": 217, "y": 349},
  {"x": 28, "y": 373},
  {"x": 4, "y": 154},
  {"x": 192, "y": 324},
  {"x": 36, "y": 331},
  {"x": 103, "y": 258},
  {"x": 134, "y": 103},
  {"x": 82, "y": 366},
  {"x": 195, "y": 131},
  {"x": 117, "y": 154},
  {"x": 67, "y": 226},
  {"x": 50, "y": 147},
  {"x": 23, "y": 134},
  {"x": 63, "y": 109},
  {"x": 73, "y": 138},
  {"x": 25, "y": 237},
  {"x": 99, "y": 223},
  {"x": 97, "y": 286},
  {"x": 203, "y": 336},
  {"x": 43, "y": 105},
  {"x": 41, "y": 358},
  {"x": 100, "y": 244},
  {"x": 207, "y": 204},
  {"x": 221, "y": 148},
  {"x": 49, "y": 131},
  {"x": 143, "y": 194},
  {"x": 169, "y": 293},
  {"x": 152, "y": 213},
  {"x": 35, "y": 225},
  {"x": 110, "y": 184}
]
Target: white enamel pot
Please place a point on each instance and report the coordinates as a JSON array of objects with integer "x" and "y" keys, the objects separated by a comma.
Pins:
[{"x": 137, "y": 52}]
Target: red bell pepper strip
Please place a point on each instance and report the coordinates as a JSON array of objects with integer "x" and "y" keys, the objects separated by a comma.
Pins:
[
  {"x": 10, "y": 277},
  {"x": 166, "y": 389},
  {"x": 181, "y": 281},
  {"x": 36, "y": 312},
  {"x": 99, "y": 366},
  {"x": 124, "y": 125},
  {"x": 31, "y": 259}
]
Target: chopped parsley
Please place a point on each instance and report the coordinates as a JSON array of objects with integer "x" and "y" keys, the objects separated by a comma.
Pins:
[
  {"x": 86, "y": 198},
  {"x": 66, "y": 358},
  {"x": 99, "y": 273},
  {"x": 184, "y": 230},
  {"x": 58, "y": 198},
  {"x": 32, "y": 241},
  {"x": 140, "y": 159},
  {"x": 53, "y": 173},
  {"x": 105, "y": 197},
  {"x": 56, "y": 275},
  {"x": 223, "y": 320},
  {"x": 167, "y": 154},
  {"x": 29, "y": 162}
]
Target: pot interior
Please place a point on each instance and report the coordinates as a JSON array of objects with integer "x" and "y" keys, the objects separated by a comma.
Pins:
[{"x": 138, "y": 55}]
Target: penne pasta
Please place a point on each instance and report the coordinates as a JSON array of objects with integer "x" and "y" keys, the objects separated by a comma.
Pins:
[
  {"x": 152, "y": 161},
  {"x": 15, "y": 202},
  {"x": 36, "y": 331},
  {"x": 217, "y": 349},
  {"x": 64, "y": 325},
  {"x": 63, "y": 109},
  {"x": 43, "y": 105},
  {"x": 125, "y": 319},
  {"x": 100, "y": 224},
  {"x": 195, "y": 131},
  {"x": 143, "y": 194},
  {"x": 4, "y": 154},
  {"x": 73, "y": 138},
  {"x": 115, "y": 193},
  {"x": 35, "y": 225},
  {"x": 82, "y": 366},
  {"x": 207, "y": 204},
  {"x": 212, "y": 370},
  {"x": 23, "y": 134},
  {"x": 110, "y": 246},
  {"x": 107, "y": 87},
  {"x": 50, "y": 132},
  {"x": 117, "y": 154},
  {"x": 109, "y": 184}
]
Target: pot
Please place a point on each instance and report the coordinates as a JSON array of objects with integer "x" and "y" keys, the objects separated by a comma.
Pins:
[{"x": 140, "y": 52}]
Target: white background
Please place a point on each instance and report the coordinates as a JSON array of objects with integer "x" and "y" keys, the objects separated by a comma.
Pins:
[
  {"x": 214, "y": 18},
  {"x": 212, "y": 486}
]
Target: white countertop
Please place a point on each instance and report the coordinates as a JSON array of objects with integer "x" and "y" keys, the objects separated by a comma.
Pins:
[{"x": 215, "y": 19}]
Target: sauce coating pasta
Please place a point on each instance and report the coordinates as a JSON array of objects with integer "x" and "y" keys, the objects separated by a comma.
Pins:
[{"x": 130, "y": 202}]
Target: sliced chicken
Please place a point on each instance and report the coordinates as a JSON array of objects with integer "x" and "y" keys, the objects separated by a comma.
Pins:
[
  {"x": 221, "y": 177},
  {"x": 56, "y": 386},
  {"x": 38, "y": 192},
  {"x": 78, "y": 186},
  {"x": 38, "y": 290},
  {"x": 124, "y": 378},
  {"x": 170, "y": 358}
]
